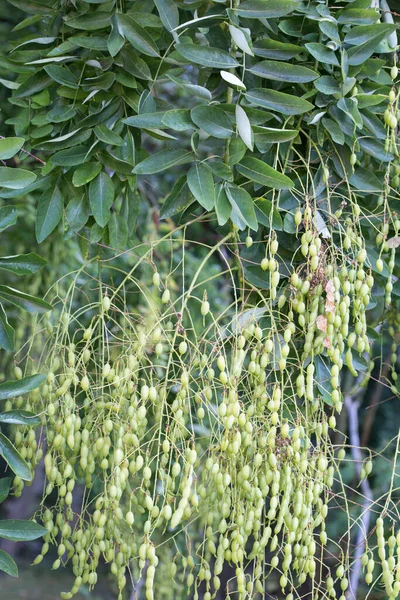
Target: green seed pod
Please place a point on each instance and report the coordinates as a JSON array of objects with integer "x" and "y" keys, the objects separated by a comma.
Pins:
[
  {"x": 156, "y": 279},
  {"x": 205, "y": 308},
  {"x": 165, "y": 298},
  {"x": 106, "y": 303},
  {"x": 298, "y": 217}
]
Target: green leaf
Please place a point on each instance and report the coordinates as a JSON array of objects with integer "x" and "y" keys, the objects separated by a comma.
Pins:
[
  {"x": 349, "y": 107},
  {"x": 85, "y": 173},
  {"x": 232, "y": 80},
  {"x": 62, "y": 75},
  {"x": 146, "y": 19},
  {"x": 179, "y": 199},
  {"x": 268, "y": 48},
  {"x": 207, "y": 56},
  {"x": 220, "y": 169},
  {"x": 267, "y": 214},
  {"x": 268, "y": 9},
  {"x": 49, "y": 212},
  {"x": 22, "y": 264},
  {"x": 36, "y": 184},
  {"x": 115, "y": 40},
  {"x": 322, "y": 53},
  {"x": 15, "y": 179},
  {"x": 10, "y": 146},
  {"x": 137, "y": 35},
  {"x": 102, "y": 82},
  {"x": 244, "y": 127},
  {"x": 90, "y": 21},
  {"x": 71, "y": 157},
  {"x": 19, "y": 387},
  {"x": 270, "y": 135},
  {"x": 223, "y": 207},
  {"x": 8, "y": 217},
  {"x": 11, "y": 85},
  {"x": 330, "y": 29},
  {"x": 355, "y": 16},
  {"x": 25, "y": 301},
  {"x": 96, "y": 233},
  {"x": 198, "y": 22},
  {"x": 323, "y": 380},
  {"x": 190, "y": 88},
  {"x": 152, "y": 120},
  {"x": 19, "y": 417},
  {"x": 101, "y": 197},
  {"x": 258, "y": 171},
  {"x": 328, "y": 85},
  {"x": 8, "y": 564},
  {"x": 5, "y": 484},
  {"x": 365, "y": 180},
  {"x": 108, "y": 136},
  {"x": 21, "y": 531},
  {"x": 280, "y": 102},
  {"x": 177, "y": 119},
  {"x": 77, "y": 212},
  {"x": 374, "y": 124},
  {"x": 367, "y": 100},
  {"x": 7, "y": 333},
  {"x": 242, "y": 40},
  {"x": 165, "y": 159},
  {"x": 243, "y": 214},
  {"x": 168, "y": 12},
  {"x": 334, "y": 131},
  {"x": 59, "y": 114},
  {"x": 114, "y": 164},
  {"x": 117, "y": 230},
  {"x": 366, "y": 33},
  {"x": 360, "y": 52},
  {"x": 201, "y": 183},
  {"x": 375, "y": 148},
  {"x": 31, "y": 7},
  {"x": 283, "y": 71},
  {"x": 134, "y": 64},
  {"x": 212, "y": 120},
  {"x": 237, "y": 149},
  {"x": 33, "y": 85},
  {"x": 16, "y": 463}
]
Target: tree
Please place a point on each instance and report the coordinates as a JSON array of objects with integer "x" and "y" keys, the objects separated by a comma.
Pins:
[{"x": 184, "y": 147}]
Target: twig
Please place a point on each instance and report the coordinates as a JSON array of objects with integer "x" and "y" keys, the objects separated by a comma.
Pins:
[
  {"x": 374, "y": 403},
  {"x": 352, "y": 407},
  {"x": 26, "y": 152},
  {"x": 138, "y": 586}
]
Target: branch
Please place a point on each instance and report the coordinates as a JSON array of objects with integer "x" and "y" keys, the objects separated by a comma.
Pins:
[
  {"x": 139, "y": 585},
  {"x": 352, "y": 407},
  {"x": 374, "y": 403}
]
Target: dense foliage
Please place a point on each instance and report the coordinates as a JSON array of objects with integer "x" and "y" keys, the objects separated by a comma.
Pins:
[
  {"x": 231, "y": 177},
  {"x": 21, "y": 264}
]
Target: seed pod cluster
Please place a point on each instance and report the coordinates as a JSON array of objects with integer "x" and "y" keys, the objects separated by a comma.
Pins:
[
  {"x": 210, "y": 426},
  {"x": 387, "y": 557}
]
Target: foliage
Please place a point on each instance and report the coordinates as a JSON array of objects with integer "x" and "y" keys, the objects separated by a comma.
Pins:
[
  {"x": 273, "y": 125},
  {"x": 82, "y": 78},
  {"x": 21, "y": 264}
]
